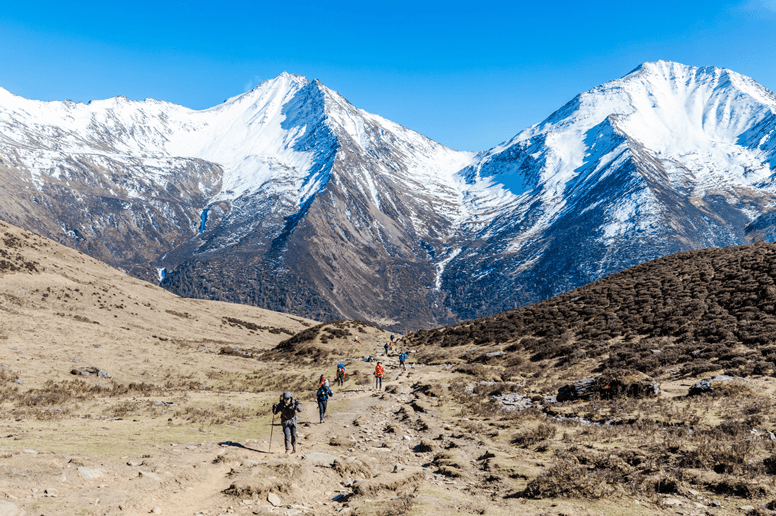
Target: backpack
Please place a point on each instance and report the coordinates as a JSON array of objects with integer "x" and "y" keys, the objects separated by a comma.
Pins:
[{"x": 341, "y": 370}]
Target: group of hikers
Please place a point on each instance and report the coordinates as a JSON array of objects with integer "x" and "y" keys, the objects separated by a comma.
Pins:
[{"x": 288, "y": 406}]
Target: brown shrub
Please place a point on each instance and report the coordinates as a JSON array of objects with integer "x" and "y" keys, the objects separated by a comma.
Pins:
[
  {"x": 568, "y": 480},
  {"x": 533, "y": 436}
]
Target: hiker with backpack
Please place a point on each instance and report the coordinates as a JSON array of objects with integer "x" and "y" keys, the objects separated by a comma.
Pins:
[
  {"x": 323, "y": 395},
  {"x": 340, "y": 375},
  {"x": 387, "y": 347},
  {"x": 288, "y": 407},
  {"x": 402, "y": 358},
  {"x": 379, "y": 372}
]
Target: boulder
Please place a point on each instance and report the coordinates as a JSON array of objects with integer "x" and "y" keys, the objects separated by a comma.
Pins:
[
  {"x": 608, "y": 386},
  {"x": 717, "y": 383},
  {"x": 89, "y": 473},
  {"x": 578, "y": 389},
  {"x": 87, "y": 371}
]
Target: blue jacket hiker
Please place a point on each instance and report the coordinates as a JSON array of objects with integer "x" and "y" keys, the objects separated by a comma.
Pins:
[
  {"x": 288, "y": 407},
  {"x": 323, "y": 398},
  {"x": 402, "y": 358}
]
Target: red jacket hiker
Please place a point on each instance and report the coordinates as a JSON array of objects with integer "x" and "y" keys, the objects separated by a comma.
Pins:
[{"x": 379, "y": 370}]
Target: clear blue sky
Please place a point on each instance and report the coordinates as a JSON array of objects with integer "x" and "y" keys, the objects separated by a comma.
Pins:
[{"x": 468, "y": 74}]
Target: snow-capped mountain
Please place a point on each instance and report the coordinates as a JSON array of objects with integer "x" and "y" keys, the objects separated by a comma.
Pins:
[
  {"x": 667, "y": 158},
  {"x": 285, "y": 196},
  {"x": 290, "y": 198}
]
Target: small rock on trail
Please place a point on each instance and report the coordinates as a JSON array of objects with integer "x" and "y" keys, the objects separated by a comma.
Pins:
[
  {"x": 320, "y": 457},
  {"x": 89, "y": 473},
  {"x": 274, "y": 499}
]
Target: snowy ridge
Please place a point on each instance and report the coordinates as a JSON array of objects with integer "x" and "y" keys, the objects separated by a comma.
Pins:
[
  {"x": 383, "y": 222},
  {"x": 687, "y": 118}
]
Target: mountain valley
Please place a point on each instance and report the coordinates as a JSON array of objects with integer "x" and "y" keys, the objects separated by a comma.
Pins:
[{"x": 118, "y": 397}]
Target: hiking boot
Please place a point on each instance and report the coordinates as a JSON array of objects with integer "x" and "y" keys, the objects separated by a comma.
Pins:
[
  {"x": 294, "y": 449},
  {"x": 286, "y": 451}
]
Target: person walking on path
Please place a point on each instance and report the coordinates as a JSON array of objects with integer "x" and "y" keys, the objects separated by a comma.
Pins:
[
  {"x": 340, "y": 375},
  {"x": 402, "y": 358},
  {"x": 323, "y": 395},
  {"x": 288, "y": 407},
  {"x": 387, "y": 347},
  {"x": 379, "y": 372}
]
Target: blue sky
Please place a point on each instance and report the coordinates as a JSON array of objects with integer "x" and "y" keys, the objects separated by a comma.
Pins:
[{"x": 467, "y": 74}]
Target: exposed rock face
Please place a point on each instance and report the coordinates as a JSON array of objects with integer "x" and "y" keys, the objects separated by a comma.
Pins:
[{"x": 289, "y": 198}]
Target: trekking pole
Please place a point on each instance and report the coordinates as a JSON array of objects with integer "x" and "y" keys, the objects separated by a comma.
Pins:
[{"x": 271, "y": 428}]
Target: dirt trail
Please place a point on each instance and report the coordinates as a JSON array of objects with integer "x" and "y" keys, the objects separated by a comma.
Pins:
[{"x": 402, "y": 450}]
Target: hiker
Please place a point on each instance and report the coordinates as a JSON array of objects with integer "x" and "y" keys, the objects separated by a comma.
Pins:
[
  {"x": 387, "y": 347},
  {"x": 321, "y": 381},
  {"x": 288, "y": 407},
  {"x": 379, "y": 372},
  {"x": 402, "y": 358},
  {"x": 323, "y": 397},
  {"x": 340, "y": 375}
]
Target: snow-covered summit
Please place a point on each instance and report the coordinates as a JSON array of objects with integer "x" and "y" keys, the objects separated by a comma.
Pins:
[{"x": 272, "y": 133}]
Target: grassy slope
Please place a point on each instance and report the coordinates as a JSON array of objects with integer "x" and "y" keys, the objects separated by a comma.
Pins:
[{"x": 693, "y": 312}]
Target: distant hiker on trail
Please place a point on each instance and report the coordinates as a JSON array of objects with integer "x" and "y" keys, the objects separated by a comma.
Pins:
[
  {"x": 379, "y": 372},
  {"x": 387, "y": 347},
  {"x": 402, "y": 358},
  {"x": 323, "y": 398},
  {"x": 340, "y": 375},
  {"x": 288, "y": 407},
  {"x": 321, "y": 381}
]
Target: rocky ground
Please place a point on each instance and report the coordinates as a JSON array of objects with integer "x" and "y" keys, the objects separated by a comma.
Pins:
[{"x": 409, "y": 449}]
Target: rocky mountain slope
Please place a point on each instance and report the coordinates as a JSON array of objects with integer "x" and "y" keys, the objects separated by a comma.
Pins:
[{"x": 289, "y": 198}]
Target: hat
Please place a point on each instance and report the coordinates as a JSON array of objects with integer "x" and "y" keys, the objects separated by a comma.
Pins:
[{"x": 287, "y": 395}]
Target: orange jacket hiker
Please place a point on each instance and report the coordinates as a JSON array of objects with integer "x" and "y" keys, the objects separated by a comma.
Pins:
[{"x": 379, "y": 370}]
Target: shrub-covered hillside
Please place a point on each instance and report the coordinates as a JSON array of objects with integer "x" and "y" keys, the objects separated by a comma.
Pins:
[{"x": 694, "y": 311}]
